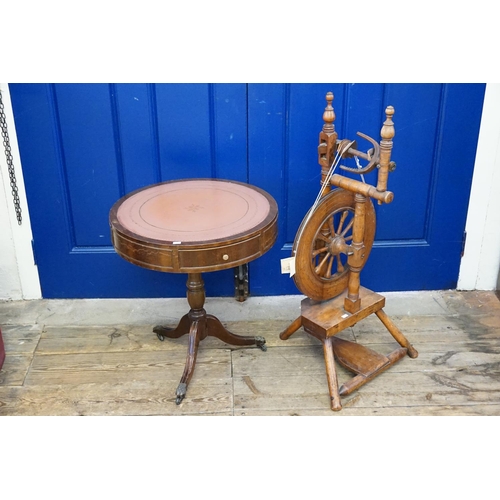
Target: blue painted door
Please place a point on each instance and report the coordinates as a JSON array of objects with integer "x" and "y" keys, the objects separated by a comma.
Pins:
[
  {"x": 419, "y": 235},
  {"x": 85, "y": 145}
]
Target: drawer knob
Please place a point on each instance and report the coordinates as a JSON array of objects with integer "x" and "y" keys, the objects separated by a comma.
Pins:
[{"x": 225, "y": 256}]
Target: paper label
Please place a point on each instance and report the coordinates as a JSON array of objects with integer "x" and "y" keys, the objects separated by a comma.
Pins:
[{"x": 288, "y": 266}]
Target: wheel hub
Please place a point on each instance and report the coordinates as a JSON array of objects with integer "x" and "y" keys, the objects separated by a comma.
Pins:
[{"x": 338, "y": 245}]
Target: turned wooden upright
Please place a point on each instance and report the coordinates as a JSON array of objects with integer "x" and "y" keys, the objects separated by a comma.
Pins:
[{"x": 336, "y": 301}]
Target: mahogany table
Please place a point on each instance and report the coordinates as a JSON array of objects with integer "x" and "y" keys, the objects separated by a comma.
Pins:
[{"x": 194, "y": 226}]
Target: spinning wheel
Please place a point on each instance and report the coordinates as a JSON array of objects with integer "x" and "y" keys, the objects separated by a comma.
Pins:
[
  {"x": 332, "y": 246},
  {"x": 321, "y": 246}
]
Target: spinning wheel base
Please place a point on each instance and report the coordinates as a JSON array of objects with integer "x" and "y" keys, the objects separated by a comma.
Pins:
[{"x": 323, "y": 320}]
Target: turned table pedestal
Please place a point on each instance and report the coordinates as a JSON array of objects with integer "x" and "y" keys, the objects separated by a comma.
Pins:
[{"x": 195, "y": 226}]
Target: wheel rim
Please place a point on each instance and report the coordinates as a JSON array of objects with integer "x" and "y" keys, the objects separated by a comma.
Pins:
[{"x": 321, "y": 243}]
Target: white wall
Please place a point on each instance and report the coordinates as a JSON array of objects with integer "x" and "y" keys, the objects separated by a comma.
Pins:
[
  {"x": 10, "y": 284},
  {"x": 481, "y": 261},
  {"x": 480, "y": 265},
  {"x": 18, "y": 273}
]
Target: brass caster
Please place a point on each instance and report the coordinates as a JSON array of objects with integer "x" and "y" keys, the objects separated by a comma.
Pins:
[
  {"x": 157, "y": 330},
  {"x": 180, "y": 393},
  {"x": 261, "y": 342}
]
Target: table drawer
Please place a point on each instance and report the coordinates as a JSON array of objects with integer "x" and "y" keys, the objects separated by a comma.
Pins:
[{"x": 220, "y": 257}]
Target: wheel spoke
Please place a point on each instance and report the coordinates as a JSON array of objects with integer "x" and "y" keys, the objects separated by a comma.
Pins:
[
  {"x": 340, "y": 267},
  {"x": 321, "y": 264},
  {"x": 322, "y": 238},
  {"x": 320, "y": 250},
  {"x": 330, "y": 226},
  {"x": 342, "y": 220},
  {"x": 351, "y": 222},
  {"x": 349, "y": 238},
  {"x": 329, "y": 268}
]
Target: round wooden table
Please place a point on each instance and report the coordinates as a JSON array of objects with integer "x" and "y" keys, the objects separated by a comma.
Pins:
[{"x": 194, "y": 226}]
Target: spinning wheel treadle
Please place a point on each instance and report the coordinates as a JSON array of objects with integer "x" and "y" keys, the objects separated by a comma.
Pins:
[{"x": 331, "y": 248}]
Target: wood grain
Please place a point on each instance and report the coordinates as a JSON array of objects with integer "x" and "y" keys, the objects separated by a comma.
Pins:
[
  {"x": 14, "y": 370},
  {"x": 118, "y": 366},
  {"x": 207, "y": 397},
  {"x": 327, "y": 318}
]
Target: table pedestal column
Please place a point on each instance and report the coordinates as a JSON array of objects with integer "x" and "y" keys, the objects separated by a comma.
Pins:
[{"x": 199, "y": 325}]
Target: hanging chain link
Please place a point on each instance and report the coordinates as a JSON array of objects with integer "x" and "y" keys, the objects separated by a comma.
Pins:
[{"x": 10, "y": 164}]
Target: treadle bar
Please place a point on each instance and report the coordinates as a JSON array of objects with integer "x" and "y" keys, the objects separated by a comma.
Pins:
[
  {"x": 357, "y": 358},
  {"x": 359, "y": 380}
]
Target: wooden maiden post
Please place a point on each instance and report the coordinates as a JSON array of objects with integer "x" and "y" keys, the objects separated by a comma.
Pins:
[
  {"x": 387, "y": 133},
  {"x": 327, "y": 141},
  {"x": 352, "y": 302}
]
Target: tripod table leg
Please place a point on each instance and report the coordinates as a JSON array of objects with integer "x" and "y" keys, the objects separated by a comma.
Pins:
[
  {"x": 195, "y": 333},
  {"x": 173, "y": 333},
  {"x": 216, "y": 329}
]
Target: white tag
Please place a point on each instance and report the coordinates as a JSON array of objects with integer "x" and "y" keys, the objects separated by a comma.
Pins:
[{"x": 288, "y": 266}]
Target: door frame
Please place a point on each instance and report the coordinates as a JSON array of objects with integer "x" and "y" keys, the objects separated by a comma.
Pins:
[
  {"x": 481, "y": 250},
  {"x": 480, "y": 264},
  {"x": 24, "y": 282}
]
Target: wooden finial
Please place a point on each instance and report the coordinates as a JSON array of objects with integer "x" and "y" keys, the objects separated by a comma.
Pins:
[
  {"x": 327, "y": 141},
  {"x": 388, "y": 132},
  {"x": 329, "y": 114}
]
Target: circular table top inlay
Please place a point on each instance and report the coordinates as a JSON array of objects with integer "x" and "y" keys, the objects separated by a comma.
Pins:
[{"x": 193, "y": 210}]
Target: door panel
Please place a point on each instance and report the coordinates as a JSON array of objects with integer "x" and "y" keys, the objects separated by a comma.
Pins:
[{"x": 89, "y": 160}]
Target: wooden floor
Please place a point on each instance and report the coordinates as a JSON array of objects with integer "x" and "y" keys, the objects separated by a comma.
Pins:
[{"x": 126, "y": 370}]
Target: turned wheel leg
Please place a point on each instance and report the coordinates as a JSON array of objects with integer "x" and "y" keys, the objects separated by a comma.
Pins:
[
  {"x": 331, "y": 375},
  {"x": 396, "y": 333},
  {"x": 292, "y": 328}
]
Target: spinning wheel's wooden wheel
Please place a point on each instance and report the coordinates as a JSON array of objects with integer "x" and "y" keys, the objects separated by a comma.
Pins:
[{"x": 322, "y": 245}]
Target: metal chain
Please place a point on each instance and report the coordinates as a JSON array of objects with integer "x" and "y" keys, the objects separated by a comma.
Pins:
[{"x": 10, "y": 164}]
